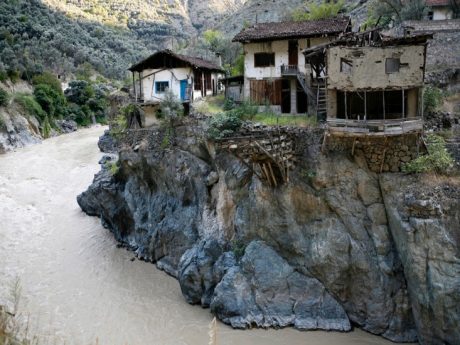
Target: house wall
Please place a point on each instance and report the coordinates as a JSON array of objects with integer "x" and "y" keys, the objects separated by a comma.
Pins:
[
  {"x": 173, "y": 76},
  {"x": 281, "y": 50},
  {"x": 368, "y": 71},
  {"x": 442, "y": 13}
]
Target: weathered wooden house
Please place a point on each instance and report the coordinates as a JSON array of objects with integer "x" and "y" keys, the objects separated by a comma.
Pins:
[
  {"x": 190, "y": 78},
  {"x": 372, "y": 84},
  {"x": 275, "y": 72}
]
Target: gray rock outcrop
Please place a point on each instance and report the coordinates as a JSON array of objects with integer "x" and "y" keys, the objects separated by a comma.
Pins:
[{"x": 317, "y": 253}]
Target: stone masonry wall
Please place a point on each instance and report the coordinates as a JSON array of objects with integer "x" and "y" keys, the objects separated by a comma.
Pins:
[{"x": 395, "y": 151}]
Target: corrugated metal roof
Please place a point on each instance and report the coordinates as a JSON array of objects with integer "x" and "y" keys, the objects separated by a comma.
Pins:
[{"x": 293, "y": 29}]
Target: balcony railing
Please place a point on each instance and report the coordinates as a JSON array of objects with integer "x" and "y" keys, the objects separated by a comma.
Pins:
[
  {"x": 375, "y": 127},
  {"x": 289, "y": 70}
]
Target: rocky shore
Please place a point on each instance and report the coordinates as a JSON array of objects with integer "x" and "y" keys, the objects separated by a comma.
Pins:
[{"x": 336, "y": 247}]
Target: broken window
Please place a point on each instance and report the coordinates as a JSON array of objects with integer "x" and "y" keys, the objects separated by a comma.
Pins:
[
  {"x": 392, "y": 65},
  {"x": 346, "y": 66},
  {"x": 161, "y": 86},
  {"x": 264, "y": 59}
]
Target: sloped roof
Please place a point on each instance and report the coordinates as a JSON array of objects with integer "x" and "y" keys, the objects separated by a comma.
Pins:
[
  {"x": 435, "y": 3},
  {"x": 293, "y": 29},
  {"x": 153, "y": 60}
]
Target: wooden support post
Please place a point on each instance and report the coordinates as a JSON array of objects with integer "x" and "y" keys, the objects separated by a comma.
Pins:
[
  {"x": 323, "y": 146},
  {"x": 384, "y": 152},
  {"x": 140, "y": 86},
  {"x": 365, "y": 105},
  {"x": 403, "y": 105},
  {"x": 134, "y": 86},
  {"x": 346, "y": 106},
  {"x": 272, "y": 174},
  {"x": 353, "y": 147},
  {"x": 383, "y": 97}
]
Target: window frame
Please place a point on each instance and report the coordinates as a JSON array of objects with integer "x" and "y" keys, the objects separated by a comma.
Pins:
[
  {"x": 269, "y": 56},
  {"x": 346, "y": 66},
  {"x": 389, "y": 65},
  {"x": 158, "y": 88}
]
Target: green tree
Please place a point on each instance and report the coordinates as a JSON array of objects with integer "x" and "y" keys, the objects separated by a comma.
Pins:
[
  {"x": 384, "y": 12},
  {"x": 49, "y": 79},
  {"x": 51, "y": 101},
  {"x": 324, "y": 10}
]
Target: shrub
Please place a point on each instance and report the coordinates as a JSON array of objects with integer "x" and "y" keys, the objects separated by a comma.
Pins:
[
  {"x": 4, "y": 98},
  {"x": 30, "y": 106},
  {"x": 319, "y": 11},
  {"x": 51, "y": 101},
  {"x": 171, "y": 107},
  {"x": 229, "y": 104},
  {"x": 46, "y": 128},
  {"x": 432, "y": 98},
  {"x": 223, "y": 125},
  {"x": 246, "y": 110},
  {"x": 437, "y": 160},
  {"x": 48, "y": 79}
]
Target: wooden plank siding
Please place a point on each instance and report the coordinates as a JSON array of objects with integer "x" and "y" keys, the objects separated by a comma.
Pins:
[{"x": 266, "y": 91}]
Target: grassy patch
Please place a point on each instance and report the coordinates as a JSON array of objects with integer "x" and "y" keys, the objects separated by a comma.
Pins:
[
  {"x": 271, "y": 119},
  {"x": 211, "y": 105}
]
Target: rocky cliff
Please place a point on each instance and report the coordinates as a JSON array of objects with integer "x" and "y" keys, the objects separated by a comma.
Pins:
[{"x": 338, "y": 246}]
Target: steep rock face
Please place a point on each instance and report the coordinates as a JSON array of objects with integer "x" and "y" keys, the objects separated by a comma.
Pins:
[
  {"x": 16, "y": 130},
  {"x": 424, "y": 218},
  {"x": 315, "y": 253}
]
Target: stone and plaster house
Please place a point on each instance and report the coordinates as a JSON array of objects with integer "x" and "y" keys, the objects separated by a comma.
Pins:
[
  {"x": 275, "y": 72},
  {"x": 374, "y": 90}
]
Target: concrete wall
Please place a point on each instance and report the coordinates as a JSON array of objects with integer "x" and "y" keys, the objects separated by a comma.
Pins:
[
  {"x": 368, "y": 70},
  {"x": 173, "y": 76}
]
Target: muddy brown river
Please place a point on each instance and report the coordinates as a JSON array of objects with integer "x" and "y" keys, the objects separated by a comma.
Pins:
[{"x": 77, "y": 286}]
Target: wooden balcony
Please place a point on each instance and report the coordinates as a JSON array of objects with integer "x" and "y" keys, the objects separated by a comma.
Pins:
[
  {"x": 289, "y": 70},
  {"x": 387, "y": 127}
]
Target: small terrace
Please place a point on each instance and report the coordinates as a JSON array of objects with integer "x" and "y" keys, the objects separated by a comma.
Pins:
[{"x": 387, "y": 127}]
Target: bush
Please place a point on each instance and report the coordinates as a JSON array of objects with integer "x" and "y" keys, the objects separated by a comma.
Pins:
[
  {"x": 229, "y": 104},
  {"x": 246, "y": 111},
  {"x": 432, "y": 99},
  {"x": 48, "y": 79},
  {"x": 30, "y": 106},
  {"x": 437, "y": 160},
  {"x": 223, "y": 125},
  {"x": 171, "y": 107},
  {"x": 51, "y": 101},
  {"x": 4, "y": 98},
  {"x": 321, "y": 11}
]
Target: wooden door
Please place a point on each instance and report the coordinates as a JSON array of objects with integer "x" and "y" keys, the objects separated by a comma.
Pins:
[{"x": 293, "y": 53}]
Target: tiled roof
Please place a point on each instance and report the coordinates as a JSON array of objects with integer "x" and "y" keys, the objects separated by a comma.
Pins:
[
  {"x": 293, "y": 29},
  {"x": 434, "y": 3},
  {"x": 190, "y": 60}
]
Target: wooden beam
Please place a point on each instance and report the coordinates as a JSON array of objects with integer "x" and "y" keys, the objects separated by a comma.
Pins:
[{"x": 403, "y": 105}]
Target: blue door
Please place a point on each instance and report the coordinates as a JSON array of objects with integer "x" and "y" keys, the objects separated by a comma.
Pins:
[{"x": 183, "y": 90}]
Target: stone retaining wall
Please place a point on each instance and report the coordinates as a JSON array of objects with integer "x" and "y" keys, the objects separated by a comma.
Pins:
[{"x": 394, "y": 151}]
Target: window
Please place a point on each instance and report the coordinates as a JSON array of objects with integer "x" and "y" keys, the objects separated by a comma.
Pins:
[
  {"x": 264, "y": 59},
  {"x": 161, "y": 86},
  {"x": 392, "y": 65},
  {"x": 346, "y": 66}
]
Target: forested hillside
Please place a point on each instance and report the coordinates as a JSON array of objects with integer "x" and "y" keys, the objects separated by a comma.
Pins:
[
  {"x": 109, "y": 35},
  {"x": 106, "y": 36}
]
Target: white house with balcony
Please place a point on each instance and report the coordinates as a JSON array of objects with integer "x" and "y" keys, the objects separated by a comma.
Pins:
[{"x": 275, "y": 72}]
